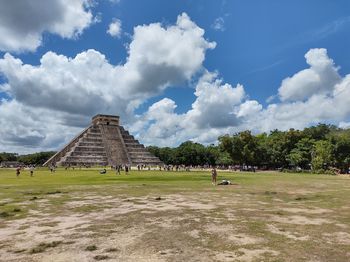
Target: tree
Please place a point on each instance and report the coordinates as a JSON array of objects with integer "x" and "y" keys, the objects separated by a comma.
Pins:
[
  {"x": 8, "y": 156},
  {"x": 190, "y": 153},
  {"x": 342, "y": 151},
  {"x": 319, "y": 132},
  {"x": 300, "y": 155},
  {"x": 242, "y": 147},
  {"x": 322, "y": 155},
  {"x": 280, "y": 144}
]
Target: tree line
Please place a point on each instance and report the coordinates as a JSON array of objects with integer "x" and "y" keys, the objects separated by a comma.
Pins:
[
  {"x": 28, "y": 159},
  {"x": 319, "y": 149}
]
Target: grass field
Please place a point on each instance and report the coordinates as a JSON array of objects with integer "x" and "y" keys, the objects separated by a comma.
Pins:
[{"x": 80, "y": 215}]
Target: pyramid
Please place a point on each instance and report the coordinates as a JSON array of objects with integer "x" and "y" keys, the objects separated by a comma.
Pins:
[{"x": 104, "y": 143}]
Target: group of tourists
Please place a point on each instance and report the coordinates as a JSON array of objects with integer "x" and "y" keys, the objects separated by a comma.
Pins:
[
  {"x": 30, "y": 168},
  {"x": 118, "y": 169}
]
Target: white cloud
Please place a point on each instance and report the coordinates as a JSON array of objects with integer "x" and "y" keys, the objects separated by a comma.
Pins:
[
  {"x": 345, "y": 125},
  {"x": 25, "y": 130},
  {"x": 219, "y": 108},
  {"x": 320, "y": 78},
  {"x": 23, "y": 22},
  {"x": 79, "y": 87},
  {"x": 249, "y": 108},
  {"x": 115, "y": 28},
  {"x": 215, "y": 103}
]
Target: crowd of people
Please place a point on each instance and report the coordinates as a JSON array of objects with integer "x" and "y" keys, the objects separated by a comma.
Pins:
[{"x": 126, "y": 168}]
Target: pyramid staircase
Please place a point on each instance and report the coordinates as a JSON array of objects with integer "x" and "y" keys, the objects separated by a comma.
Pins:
[{"x": 103, "y": 143}]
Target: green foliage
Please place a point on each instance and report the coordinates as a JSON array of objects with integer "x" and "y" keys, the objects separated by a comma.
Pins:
[
  {"x": 188, "y": 153},
  {"x": 341, "y": 142},
  {"x": 8, "y": 156},
  {"x": 322, "y": 155},
  {"x": 324, "y": 148},
  {"x": 300, "y": 155},
  {"x": 30, "y": 159},
  {"x": 36, "y": 158}
]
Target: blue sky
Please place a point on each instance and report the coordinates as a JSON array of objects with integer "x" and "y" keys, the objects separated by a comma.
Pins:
[{"x": 259, "y": 44}]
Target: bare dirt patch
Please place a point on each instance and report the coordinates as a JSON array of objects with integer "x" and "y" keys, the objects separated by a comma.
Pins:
[
  {"x": 291, "y": 235},
  {"x": 300, "y": 220},
  {"x": 244, "y": 254}
]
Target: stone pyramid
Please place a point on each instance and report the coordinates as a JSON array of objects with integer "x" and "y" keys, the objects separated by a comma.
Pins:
[{"x": 103, "y": 143}]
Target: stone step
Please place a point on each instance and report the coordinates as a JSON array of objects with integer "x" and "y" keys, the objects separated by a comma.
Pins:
[
  {"x": 142, "y": 154},
  {"x": 90, "y": 148},
  {"x": 133, "y": 145},
  {"x": 128, "y": 137},
  {"x": 88, "y": 153},
  {"x": 80, "y": 163},
  {"x": 86, "y": 158},
  {"x": 92, "y": 139},
  {"x": 92, "y": 144},
  {"x": 92, "y": 135},
  {"x": 130, "y": 140}
]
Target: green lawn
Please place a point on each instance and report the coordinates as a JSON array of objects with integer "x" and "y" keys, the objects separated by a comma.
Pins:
[{"x": 81, "y": 215}]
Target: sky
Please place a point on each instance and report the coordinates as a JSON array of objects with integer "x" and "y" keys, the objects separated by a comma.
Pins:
[{"x": 172, "y": 70}]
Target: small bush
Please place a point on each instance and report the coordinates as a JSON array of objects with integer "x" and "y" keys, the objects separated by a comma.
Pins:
[
  {"x": 43, "y": 246},
  {"x": 5, "y": 214},
  {"x": 54, "y": 192},
  {"x": 101, "y": 257},
  {"x": 91, "y": 248},
  {"x": 112, "y": 250}
]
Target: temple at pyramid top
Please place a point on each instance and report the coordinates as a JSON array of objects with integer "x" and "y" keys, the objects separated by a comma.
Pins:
[
  {"x": 103, "y": 143},
  {"x": 105, "y": 120}
]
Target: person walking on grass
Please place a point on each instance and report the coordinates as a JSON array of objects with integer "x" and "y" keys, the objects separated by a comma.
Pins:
[
  {"x": 126, "y": 169},
  {"x": 31, "y": 169},
  {"x": 18, "y": 171},
  {"x": 214, "y": 174},
  {"x": 119, "y": 167}
]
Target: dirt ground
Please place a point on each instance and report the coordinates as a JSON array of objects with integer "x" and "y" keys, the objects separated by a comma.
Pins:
[{"x": 138, "y": 222}]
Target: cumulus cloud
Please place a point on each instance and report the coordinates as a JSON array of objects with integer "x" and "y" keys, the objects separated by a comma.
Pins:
[
  {"x": 215, "y": 103},
  {"x": 331, "y": 106},
  {"x": 219, "y": 108},
  {"x": 23, "y": 22},
  {"x": 115, "y": 28},
  {"x": 319, "y": 78},
  {"x": 86, "y": 84},
  {"x": 26, "y": 130}
]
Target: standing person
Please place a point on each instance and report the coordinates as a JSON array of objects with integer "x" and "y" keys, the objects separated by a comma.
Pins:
[
  {"x": 126, "y": 169},
  {"x": 214, "y": 174},
  {"x": 119, "y": 167},
  {"x": 18, "y": 171},
  {"x": 31, "y": 169}
]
